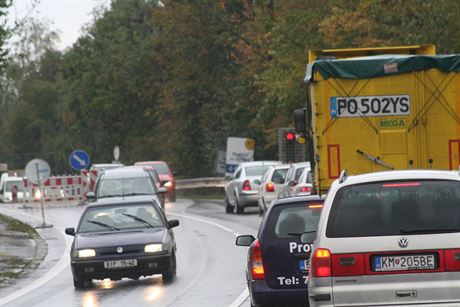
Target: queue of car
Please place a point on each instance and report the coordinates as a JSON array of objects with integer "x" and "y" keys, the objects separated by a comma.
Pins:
[
  {"x": 259, "y": 183},
  {"x": 124, "y": 232},
  {"x": 379, "y": 239}
]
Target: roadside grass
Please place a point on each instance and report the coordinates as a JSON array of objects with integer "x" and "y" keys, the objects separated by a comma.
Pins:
[{"x": 15, "y": 225}]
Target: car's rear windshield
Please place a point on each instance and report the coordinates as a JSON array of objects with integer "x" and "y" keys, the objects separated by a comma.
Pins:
[
  {"x": 279, "y": 175},
  {"x": 120, "y": 217},
  {"x": 298, "y": 172},
  {"x": 294, "y": 219},
  {"x": 125, "y": 187},
  {"x": 257, "y": 170},
  {"x": 395, "y": 208}
]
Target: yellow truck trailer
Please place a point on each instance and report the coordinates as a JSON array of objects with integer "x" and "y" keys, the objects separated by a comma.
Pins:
[{"x": 375, "y": 109}]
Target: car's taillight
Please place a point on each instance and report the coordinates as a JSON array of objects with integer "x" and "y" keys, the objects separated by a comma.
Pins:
[
  {"x": 348, "y": 265},
  {"x": 270, "y": 187},
  {"x": 305, "y": 189},
  {"x": 452, "y": 259},
  {"x": 258, "y": 271},
  {"x": 321, "y": 263},
  {"x": 246, "y": 186}
]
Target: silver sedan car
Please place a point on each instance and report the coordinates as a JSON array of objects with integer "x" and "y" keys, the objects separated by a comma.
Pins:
[
  {"x": 269, "y": 186},
  {"x": 241, "y": 190}
]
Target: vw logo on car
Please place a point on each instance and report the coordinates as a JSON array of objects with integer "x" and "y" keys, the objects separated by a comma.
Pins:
[
  {"x": 119, "y": 249},
  {"x": 403, "y": 242}
]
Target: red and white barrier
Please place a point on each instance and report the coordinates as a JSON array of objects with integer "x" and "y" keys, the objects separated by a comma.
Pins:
[
  {"x": 64, "y": 188},
  {"x": 88, "y": 180}
]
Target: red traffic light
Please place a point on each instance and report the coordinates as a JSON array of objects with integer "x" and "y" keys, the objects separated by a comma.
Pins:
[{"x": 289, "y": 136}]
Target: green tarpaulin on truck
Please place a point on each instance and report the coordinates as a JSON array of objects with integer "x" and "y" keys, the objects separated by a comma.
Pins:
[{"x": 381, "y": 65}]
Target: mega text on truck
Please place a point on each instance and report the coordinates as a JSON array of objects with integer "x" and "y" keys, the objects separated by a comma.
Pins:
[{"x": 374, "y": 109}]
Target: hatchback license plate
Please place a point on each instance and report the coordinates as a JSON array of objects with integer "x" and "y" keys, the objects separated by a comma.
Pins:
[
  {"x": 119, "y": 264},
  {"x": 404, "y": 263}
]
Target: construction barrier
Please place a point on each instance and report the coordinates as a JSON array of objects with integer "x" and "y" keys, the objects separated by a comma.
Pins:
[{"x": 55, "y": 189}]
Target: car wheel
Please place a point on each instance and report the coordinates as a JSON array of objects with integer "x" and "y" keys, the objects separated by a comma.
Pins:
[
  {"x": 239, "y": 209},
  {"x": 172, "y": 196},
  {"x": 170, "y": 274},
  {"x": 81, "y": 283},
  {"x": 228, "y": 208},
  {"x": 261, "y": 207}
]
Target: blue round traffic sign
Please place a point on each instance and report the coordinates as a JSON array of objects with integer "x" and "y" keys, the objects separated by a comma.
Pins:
[{"x": 79, "y": 160}]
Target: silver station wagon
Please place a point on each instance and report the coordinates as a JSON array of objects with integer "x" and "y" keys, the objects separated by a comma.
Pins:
[{"x": 388, "y": 239}]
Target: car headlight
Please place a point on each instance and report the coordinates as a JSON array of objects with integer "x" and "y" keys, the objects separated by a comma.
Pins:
[
  {"x": 153, "y": 248},
  {"x": 85, "y": 253},
  {"x": 168, "y": 184}
]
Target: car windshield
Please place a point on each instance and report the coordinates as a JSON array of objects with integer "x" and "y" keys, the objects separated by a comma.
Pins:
[
  {"x": 161, "y": 168},
  {"x": 9, "y": 185},
  {"x": 125, "y": 186},
  {"x": 395, "y": 208},
  {"x": 120, "y": 217},
  {"x": 294, "y": 219},
  {"x": 256, "y": 170}
]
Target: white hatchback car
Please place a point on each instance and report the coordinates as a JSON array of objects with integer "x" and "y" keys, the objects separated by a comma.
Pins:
[
  {"x": 388, "y": 239},
  {"x": 269, "y": 186}
]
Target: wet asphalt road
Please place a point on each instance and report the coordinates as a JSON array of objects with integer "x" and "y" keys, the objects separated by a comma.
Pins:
[{"x": 210, "y": 266}]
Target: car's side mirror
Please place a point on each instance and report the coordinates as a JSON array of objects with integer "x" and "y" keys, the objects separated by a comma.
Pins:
[
  {"x": 292, "y": 183},
  {"x": 257, "y": 181},
  {"x": 308, "y": 237},
  {"x": 70, "y": 231},
  {"x": 173, "y": 223},
  {"x": 90, "y": 195},
  {"x": 244, "y": 240},
  {"x": 162, "y": 190}
]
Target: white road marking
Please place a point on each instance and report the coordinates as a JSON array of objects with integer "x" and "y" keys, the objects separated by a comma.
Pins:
[
  {"x": 245, "y": 294},
  {"x": 53, "y": 272}
]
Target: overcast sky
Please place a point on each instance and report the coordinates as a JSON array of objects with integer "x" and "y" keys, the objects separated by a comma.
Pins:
[{"x": 66, "y": 16}]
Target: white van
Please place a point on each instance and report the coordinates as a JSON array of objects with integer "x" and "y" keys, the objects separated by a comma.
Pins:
[{"x": 6, "y": 188}]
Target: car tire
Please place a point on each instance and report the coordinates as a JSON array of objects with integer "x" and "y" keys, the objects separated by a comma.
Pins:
[
  {"x": 81, "y": 283},
  {"x": 239, "y": 209},
  {"x": 170, "y": 274},
  {"x": 261, "y": 208},
  {"x": 228, "y": 208}
]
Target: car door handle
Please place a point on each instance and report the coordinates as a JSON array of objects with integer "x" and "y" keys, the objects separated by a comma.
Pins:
[{"x": 409, "y": 293}]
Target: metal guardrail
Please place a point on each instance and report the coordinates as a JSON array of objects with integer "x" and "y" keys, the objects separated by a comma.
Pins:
[{"x": 209, "y": 182}]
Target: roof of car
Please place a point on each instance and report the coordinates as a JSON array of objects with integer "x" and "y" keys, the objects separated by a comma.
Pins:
[
  {"x": 110, "y": 201},
  {"x": 126, "y": 172},
  {"x": 255, "y": 163},
  {"x": 302, "y": 164},
  {"x": 283, "y": 166},
  {"x": 296, "y": 199},
  {"x": 150, "y": 162},
  {"x": 400, "y": 175}
]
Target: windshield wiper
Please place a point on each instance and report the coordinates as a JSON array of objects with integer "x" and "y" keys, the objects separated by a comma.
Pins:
[
  {"x": 427, "y": 230},
  {"x": 134, "y": 194},
  {"x": 103, "y": 224},
  {"x": 135, "y": 217}
]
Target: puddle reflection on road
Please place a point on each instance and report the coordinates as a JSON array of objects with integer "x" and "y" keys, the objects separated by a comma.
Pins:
[
  {"x": 153, "y": 293},
  {"x": 89, "y": 300}
]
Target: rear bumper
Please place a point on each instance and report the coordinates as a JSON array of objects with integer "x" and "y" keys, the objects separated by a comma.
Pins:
[
  {"x": 248, "y": 200},
  {"x": 146, "y": 266},
  {"x": 262, "y": 294}
]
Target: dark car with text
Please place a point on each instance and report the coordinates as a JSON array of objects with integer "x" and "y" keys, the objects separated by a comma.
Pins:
[
  {"x": 122, "y": 238},
  {"x": 277, "y": 263}
]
